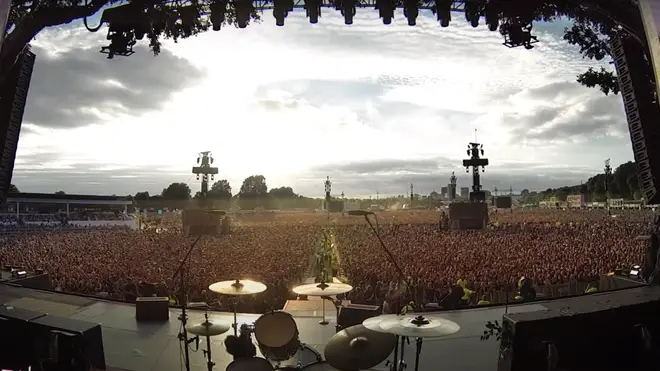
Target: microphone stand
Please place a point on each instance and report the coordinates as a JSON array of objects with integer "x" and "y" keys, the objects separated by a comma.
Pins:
[
  {"x": 395, "y": 363},
  {"x": 180, "y": 271}
]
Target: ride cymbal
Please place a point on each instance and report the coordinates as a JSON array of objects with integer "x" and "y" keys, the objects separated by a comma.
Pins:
[
  {"x": 358, "y": 348},
  {"x": 207, "y": 328},
  {"x": 322, "y": 289},
  {"x": 419, "y": 326},
  {"x": 238, "y": 287}
]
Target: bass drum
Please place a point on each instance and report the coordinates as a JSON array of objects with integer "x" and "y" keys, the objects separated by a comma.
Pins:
[
  {"x": 250, "y": 364},
  {"x": 322, "y": 366},
  {"x": 305, "y": 356},
  {"x": 277, "y": 336}
]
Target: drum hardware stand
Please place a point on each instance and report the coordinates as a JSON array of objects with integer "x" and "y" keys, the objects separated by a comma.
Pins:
[
  {"x": 234, "y": 325},
  {"x": 393, "y": 365},
  {"x": 419, "y": 321},
  {"x": 323, "y": 286},
  {"x": 207, "y": 351}
]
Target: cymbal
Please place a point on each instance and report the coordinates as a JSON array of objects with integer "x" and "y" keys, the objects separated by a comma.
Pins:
[
  {"x": 415, "y": 325},
  {"x": 322, "y": 289},
  {"x": 358, "y": 348},
  {"x": 238, "y": 287},
  {"x": 207, "y": 328}
]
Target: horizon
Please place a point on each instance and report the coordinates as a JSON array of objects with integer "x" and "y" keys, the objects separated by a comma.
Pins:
[{"x": 400, "y": 112}]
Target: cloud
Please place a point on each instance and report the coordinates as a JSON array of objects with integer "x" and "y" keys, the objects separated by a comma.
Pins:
[{"x": 78, "y": 87}]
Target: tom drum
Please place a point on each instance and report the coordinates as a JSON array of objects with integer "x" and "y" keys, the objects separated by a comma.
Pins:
[{"x": 277, "y": 336}]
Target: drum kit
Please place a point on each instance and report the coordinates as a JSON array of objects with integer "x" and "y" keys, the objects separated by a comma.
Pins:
[{"x": 359, "y": 347}]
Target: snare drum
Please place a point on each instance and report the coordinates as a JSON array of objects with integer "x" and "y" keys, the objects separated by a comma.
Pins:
[
  {"x": 277, "y": 336},
  {"x": 321, "y": 366},
  {"x": 250, "y": 364}
]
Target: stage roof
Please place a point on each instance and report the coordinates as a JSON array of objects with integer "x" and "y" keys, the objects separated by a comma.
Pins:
[{"x": 51, "y": 198}]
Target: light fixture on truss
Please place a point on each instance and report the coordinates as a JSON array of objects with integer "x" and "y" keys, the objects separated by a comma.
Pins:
[
  {"x": 281, "y": 9},
  {"x": 442, "y": 9},
  {"x": 411, "y": 11},
  {"x": 244, "y": 9},
  {"x": 517, "y": 34},
  {"x": 473, "y": 9},
  {"x": 313, "y": 9},
  {"x": 126, "y": 24},
  {"x": 188, "y": 18},
  {"x": 386, "y": 10},
  {"x": 348, "y": 10},
  {"x": 218, "y": 14},
  {"x": 492, "y": 15}
]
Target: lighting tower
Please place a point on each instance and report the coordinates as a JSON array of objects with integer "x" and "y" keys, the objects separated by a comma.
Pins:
[
  {"x": 452, "y": 186},
  {"x": 475, "y": 151},
  {"x": 411, "y": 195},
  {"x": 205, "y": 170},
  {"x": 608, "y": 175},
  {"x": 328, "y": 189}
]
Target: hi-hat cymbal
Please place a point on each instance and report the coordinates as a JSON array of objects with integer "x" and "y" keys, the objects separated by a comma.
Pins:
[
  {"x": 415, "y": 325},
  {"x": 373, "y": 323},
  {"x": 322, "y": 289},
  {"x": 358, "y": 348},
  {"x": 237, "y": 287},
  {"x": 207, "y": 328}
]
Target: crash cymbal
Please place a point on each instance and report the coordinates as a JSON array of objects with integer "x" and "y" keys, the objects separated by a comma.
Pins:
[
  {"x": 250, "y": 364},
  {"x": 237, "y": 287},
  {"x": 322, "y": 289},
  {"x": 207, "y": 328},
  {"x": 373, "y": 323},
  {"x": 358, "y": 348},
  {"x": 419, "y": 326}
]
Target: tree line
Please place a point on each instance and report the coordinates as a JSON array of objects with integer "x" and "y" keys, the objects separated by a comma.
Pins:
[{"x": 622, "y": 183}]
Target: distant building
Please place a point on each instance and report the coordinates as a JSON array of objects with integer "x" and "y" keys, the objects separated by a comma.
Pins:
[
  {"x": 443, "y": 191},
  {"x": 435, "y": 196},
  {"x": 451, "y": 191},
  {"x": 465, "y": 192}
]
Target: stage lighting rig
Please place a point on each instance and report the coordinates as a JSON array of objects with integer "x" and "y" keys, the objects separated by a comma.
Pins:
[
  {"x": 244, "y": 9},
  {"x": 313, "y": 9},
  {"x": 517, "y": 33},
  {"x": 473, "y": 9},
  {"x": 188, "y": 18},
  {"x": 281, "y": 9},
  {"x": 218, "y": 14},
  {"x": 442, "y": 10},
  {"x": 492, "y": 15},
  {"x": 127, "y": 24},
  {"x": 411, "y": 11},
  {"x": 386, "y": 10},
  {"x": 475, "y": 151}
]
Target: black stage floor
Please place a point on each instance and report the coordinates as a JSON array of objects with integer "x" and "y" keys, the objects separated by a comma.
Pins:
[{"x": 142, "y": 347}]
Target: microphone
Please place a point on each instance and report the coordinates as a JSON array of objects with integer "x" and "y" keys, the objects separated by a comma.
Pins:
[{"x": 360, "y": 213}]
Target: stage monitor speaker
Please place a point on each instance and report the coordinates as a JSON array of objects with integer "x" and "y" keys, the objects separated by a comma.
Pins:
[
  {"x": 642, "y": 111},
  {"x": 355, "y": 314},
  {"x": 83, "y": 341},
  {"x": 606, "y": 332},
  {"x": 15, "y": 353},
  {"x": 152, "y": 309}
]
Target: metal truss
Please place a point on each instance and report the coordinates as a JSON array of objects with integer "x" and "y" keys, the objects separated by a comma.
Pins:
[{"x": 457, "y": 5}]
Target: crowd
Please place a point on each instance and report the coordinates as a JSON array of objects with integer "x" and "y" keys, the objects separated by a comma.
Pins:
[{"x": 550, "y": 247}]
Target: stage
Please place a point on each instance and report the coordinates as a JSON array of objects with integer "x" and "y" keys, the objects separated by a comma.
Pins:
[{"x": 140, "y": 347}]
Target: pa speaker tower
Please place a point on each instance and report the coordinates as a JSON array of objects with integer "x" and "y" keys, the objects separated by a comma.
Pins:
[{"x": 642, "y": 111}]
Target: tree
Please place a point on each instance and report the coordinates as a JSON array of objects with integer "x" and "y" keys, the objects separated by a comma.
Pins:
[
  {"x": 29, "y": 17},
  {"x": 524, "y": 192},
  {"x": 595, "y": 22},
  {"x": 13, "y": 189},
  {"x": 176, "y": 191},
  {"x": 283, "y": 192},
  {"x": 141, "y": 196},
  {"x": 220, "y": 190},
  {"x": 60, "y": 193},
  {"x": 254, "y": 192}
]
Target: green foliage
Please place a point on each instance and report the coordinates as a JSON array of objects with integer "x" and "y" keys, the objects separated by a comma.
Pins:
[
  {"x": 13, "y": 189},
  {"x": 176, "y": 191},
  {"x": 622, "y": 184}
]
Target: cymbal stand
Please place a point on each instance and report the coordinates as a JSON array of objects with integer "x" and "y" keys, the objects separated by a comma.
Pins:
[
  {"x": 207, "y": 351},
  {"x": 323, "y": 321},
  {"x": 418, "y": 342},
  {"x": 235, "y": 324},
  {"x": 402, "y": 362}
]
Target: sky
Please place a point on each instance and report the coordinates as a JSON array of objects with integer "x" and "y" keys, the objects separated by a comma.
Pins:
[{"x": 374, "y": 107}]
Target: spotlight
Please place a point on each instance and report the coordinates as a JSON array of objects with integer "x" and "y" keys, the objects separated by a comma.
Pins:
[
  {"x": 492, "y": 14},
  {"x": 244, "y": 9},
  {"x": 348, "y": 11},
  {"x": 198, "y": 159},
  {"x": 127, "y": 23},
  {"x": 467, "y": 169},
  {"x": 188, "y": 16},
  {"x": 473, "y": 12},
  {"x": 443, "y": 11},
  {"x": 515, "y": 34},
  {"x": 281, "y": 10},
  {"x": 313, "y": 9},
  {"x": 411, "y": 11},
  {"x": 218, "y": 12},
  {"x": 386, "y": 10}
]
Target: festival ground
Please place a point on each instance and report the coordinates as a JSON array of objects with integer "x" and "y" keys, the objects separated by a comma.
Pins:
[{"x": 141, "y": 347}]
